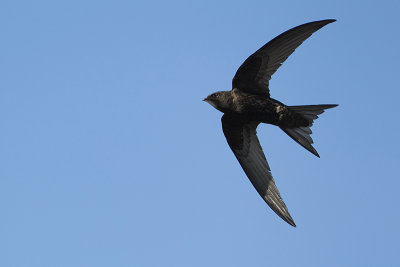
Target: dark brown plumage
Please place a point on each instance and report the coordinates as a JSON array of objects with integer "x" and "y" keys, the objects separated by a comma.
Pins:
[{"x": 249, "y": 103}]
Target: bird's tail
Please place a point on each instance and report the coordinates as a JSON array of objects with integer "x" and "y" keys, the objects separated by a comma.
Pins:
[{"x": 302, "y": 134}]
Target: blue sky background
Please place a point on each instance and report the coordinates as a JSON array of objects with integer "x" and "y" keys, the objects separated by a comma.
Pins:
[{"x": 110, "y": 158}]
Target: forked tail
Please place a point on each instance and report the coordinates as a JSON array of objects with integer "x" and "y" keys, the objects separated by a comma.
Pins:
[{"x": 302, "y": 134}]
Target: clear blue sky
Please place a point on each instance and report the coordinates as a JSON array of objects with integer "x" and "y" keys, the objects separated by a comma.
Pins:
[{"x": 110, "y": 158}]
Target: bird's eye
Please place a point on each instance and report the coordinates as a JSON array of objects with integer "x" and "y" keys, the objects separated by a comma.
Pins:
[{"x": 216, "y": 95}]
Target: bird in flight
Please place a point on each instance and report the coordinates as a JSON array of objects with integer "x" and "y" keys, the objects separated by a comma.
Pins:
[{"x": 249, "y": 103}]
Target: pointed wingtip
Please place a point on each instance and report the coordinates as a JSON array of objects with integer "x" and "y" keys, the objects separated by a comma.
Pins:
[
  {"x": 331, "y": 106},
  {"x": 328, "y": 20},
  {"x": 314, "y": 151},
  {"x": 285, "y": 215},
  {"x": 290, "y": 222},
  {"x": 325, "y": 22},
  {"x": 322, "y": 22}
]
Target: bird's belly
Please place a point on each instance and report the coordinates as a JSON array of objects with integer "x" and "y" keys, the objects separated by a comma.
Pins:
[{"x": 259, "y": 110}]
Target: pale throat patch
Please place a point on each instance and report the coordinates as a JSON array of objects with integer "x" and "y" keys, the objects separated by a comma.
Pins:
[{"x": 279, "y": 109}]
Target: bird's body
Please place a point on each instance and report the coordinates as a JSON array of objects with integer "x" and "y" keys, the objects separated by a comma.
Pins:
[
  {"x": 253, "y": 107},
  {"x": 249, "y": 103}
]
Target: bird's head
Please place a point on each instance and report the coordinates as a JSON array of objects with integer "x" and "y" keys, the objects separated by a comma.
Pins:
[{"x": 220, "y": 100}]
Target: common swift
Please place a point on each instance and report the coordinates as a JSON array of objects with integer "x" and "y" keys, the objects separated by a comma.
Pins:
[{"x": 249, "y": 103}]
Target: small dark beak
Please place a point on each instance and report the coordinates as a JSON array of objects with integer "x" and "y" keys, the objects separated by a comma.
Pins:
[{"x": 205, "y": 99}]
